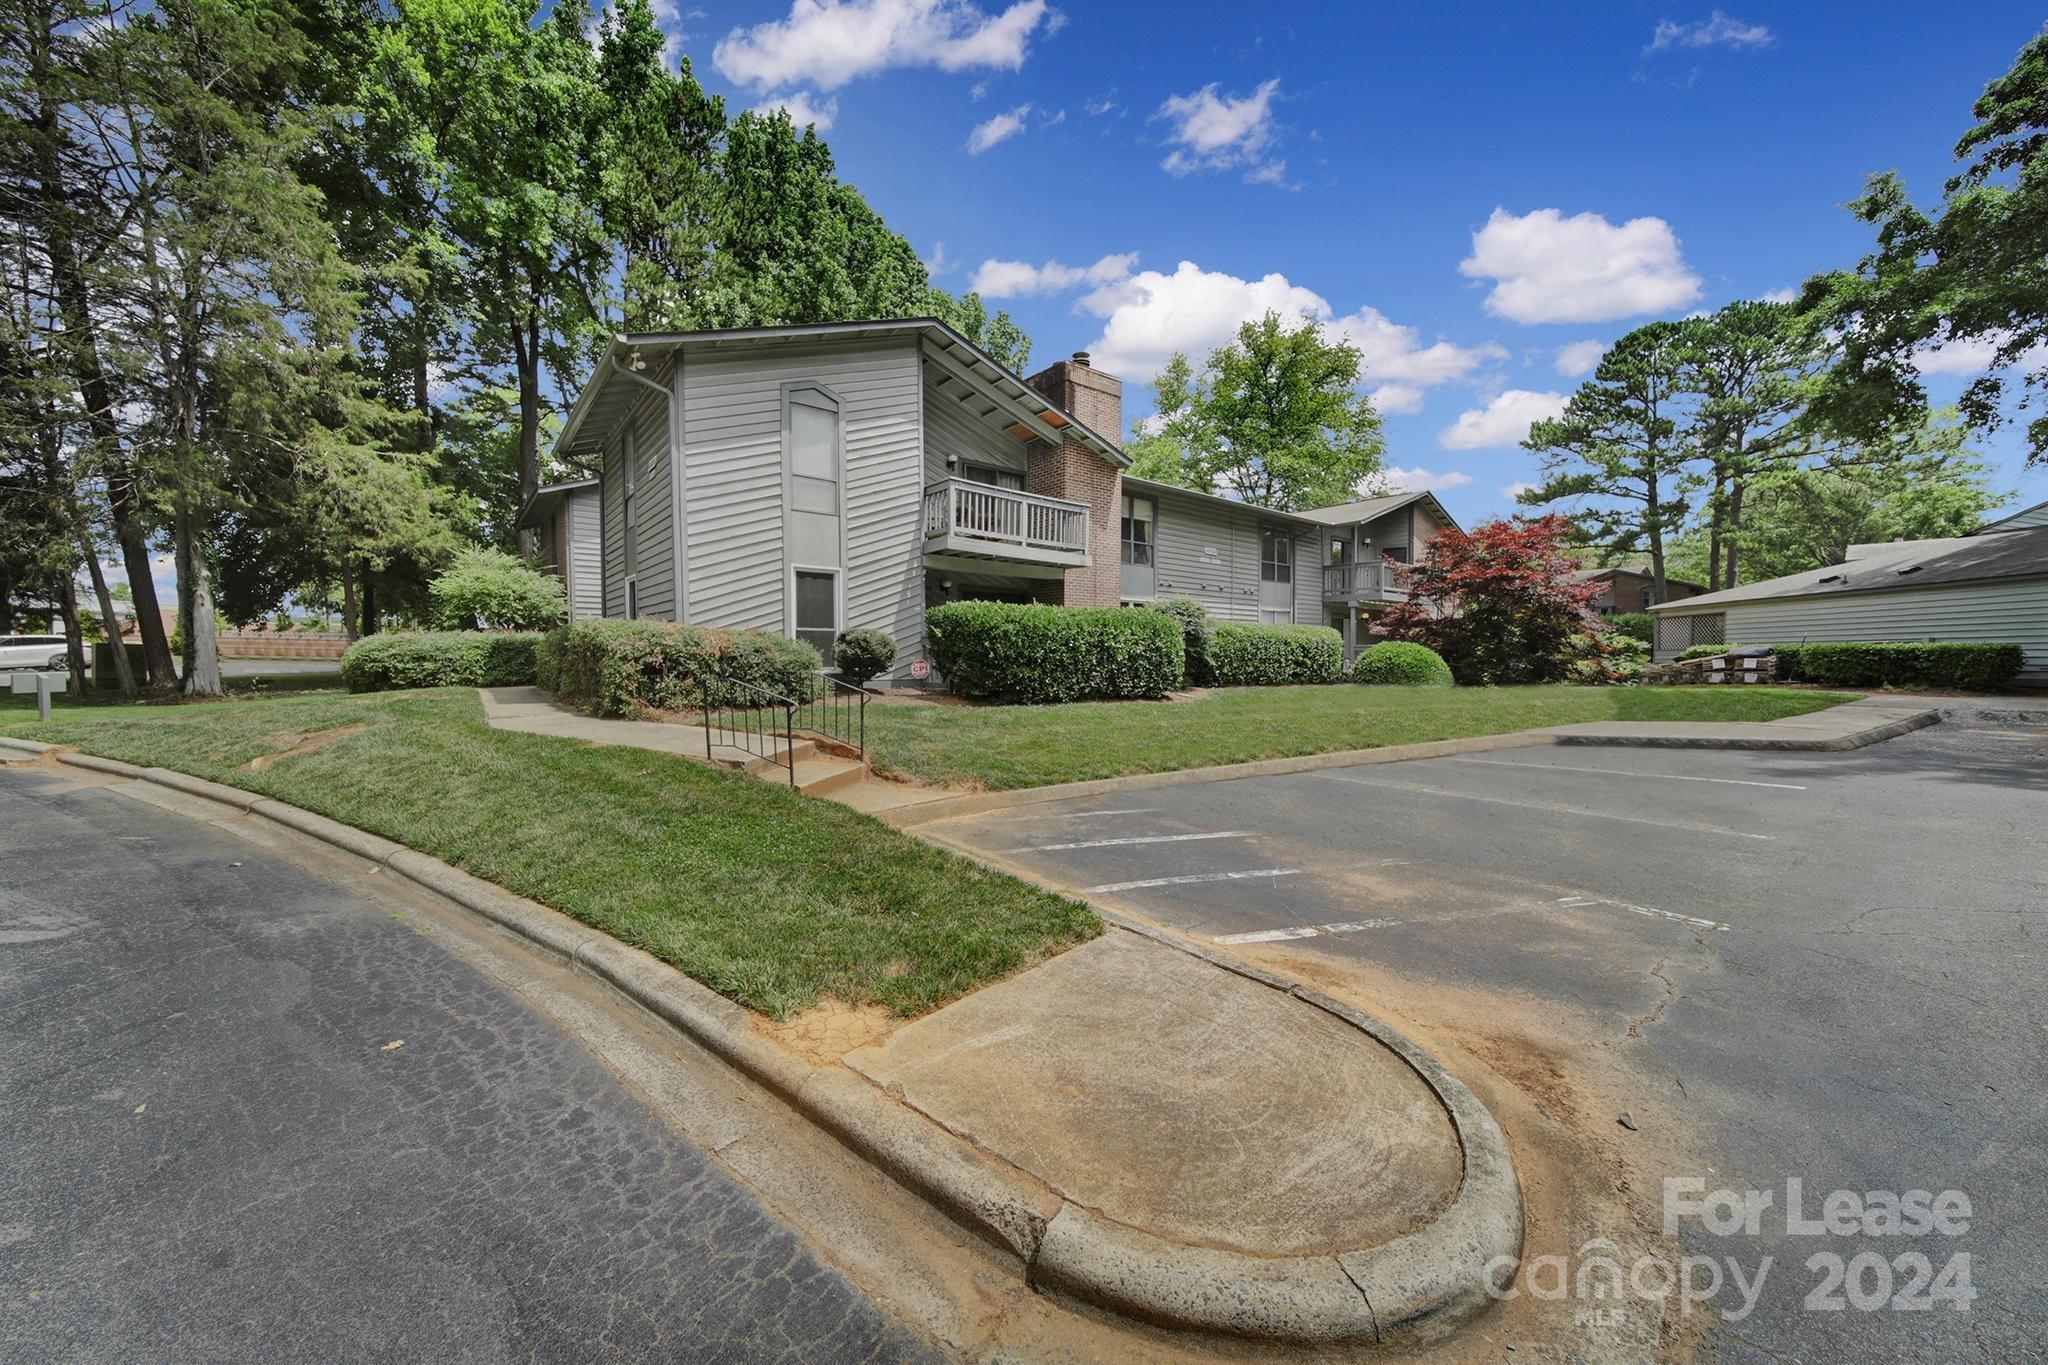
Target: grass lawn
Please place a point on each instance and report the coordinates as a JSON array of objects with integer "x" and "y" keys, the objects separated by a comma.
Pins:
[
  {"x": 765, "y": 896},
  {"x": 1001, "y": 747}
]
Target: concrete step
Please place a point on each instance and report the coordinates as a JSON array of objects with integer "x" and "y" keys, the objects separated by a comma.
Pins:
[
  {"x": 817, "y": 776},
  {"x": 744, "y": 760}
]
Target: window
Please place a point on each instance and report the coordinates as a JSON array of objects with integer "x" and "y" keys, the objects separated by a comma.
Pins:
[
  {"x": 1340, "y": 551},
  {"x": 1276, "y": 618},
  {"x": 1649, "y": 596},
  {"x": 1139, "y": 517},
  {"x": 1276, "y": 556},
  {"x": 817, "y": 609},
  {"x": 993, "y": 477},
  {"x": 813, "y": 435},
  {"x": 1399, "y": 554}
]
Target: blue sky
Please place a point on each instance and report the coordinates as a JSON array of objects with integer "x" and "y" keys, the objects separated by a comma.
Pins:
[{"x": 1473, "y": 192}]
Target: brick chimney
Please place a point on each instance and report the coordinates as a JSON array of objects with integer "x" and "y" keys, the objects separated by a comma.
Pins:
[{"x": 1071, "y": 470}]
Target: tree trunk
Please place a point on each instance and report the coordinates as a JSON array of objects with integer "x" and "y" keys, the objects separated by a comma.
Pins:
[
  {"x": 348, "y": 602},
  {"x": 1653, "y": 518},
  {"x": 369, "y": 625},
  {"x": 526, "y": 355},
  {"x": 1734, "y": 526},
  {"x": 123, "y": 674},
  {"x": 202, "y": 648},
  {"x": 1714, "y": 515},
  {"x": 74, "y": 636}
]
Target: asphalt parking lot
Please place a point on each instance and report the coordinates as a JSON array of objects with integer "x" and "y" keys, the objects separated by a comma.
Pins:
[{"x": 1827, "y": 966}]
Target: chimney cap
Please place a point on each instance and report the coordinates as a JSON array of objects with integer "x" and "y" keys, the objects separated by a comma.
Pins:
[{"x": 1081, "y": 359}]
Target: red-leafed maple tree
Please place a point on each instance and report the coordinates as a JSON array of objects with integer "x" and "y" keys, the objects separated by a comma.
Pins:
[{"x": 1498, "y": 603}]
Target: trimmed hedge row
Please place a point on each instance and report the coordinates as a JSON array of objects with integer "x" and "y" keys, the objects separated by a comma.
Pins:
[
  {"x": 1401, "y": 663},
  {"x": 1906, "y": 663},
  {"x": 440, "y": 658},
  {"x": 1029, "y": 652},
  {"x": 1962, "y": 665},
  {"x": 622, "y": 668},
  {"x": 1196, "y": 633},
  {"x": 1274, "y": 656}
]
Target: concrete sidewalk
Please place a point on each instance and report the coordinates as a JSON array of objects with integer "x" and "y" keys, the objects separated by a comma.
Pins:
[{"x": 1851, "y": 725}]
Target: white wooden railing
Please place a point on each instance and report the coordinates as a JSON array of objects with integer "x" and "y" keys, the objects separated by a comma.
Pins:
[
  {"x": 1377, "y": 577},
  {"x": 959, "y": 509}
]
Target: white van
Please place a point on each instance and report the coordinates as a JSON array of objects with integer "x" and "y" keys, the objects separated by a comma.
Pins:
[{"x": 32, "y": 651}]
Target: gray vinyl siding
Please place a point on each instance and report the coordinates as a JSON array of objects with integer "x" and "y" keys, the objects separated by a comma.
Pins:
[
  {"x": 1211, "y": 554},
  {"x": 732, "y": 415},
  {"x": 653, "y": 504},
  {"x": 2033, "y": 516},
  {"x": 582, "y": 557},
  {"x": 2009, "y": 611},
  {"x": 950, "y": 429}
]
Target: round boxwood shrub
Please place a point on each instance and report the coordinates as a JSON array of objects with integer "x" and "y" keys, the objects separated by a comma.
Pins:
[
  {"x": 1401, "y": 663},
  {"x": 440, "y": 658},
  {"x": 622, "y": 668},
  {"x": 861, "y": 654}
]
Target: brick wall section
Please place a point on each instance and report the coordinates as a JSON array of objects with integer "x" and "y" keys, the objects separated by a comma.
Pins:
[{"x": 1070, "y": 470}]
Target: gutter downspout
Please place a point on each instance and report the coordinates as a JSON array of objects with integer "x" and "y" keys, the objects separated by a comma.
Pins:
[{"x": 672, "y": 394}]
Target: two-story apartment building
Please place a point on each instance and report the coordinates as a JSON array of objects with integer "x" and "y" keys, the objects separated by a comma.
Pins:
[{"x": 809, "y": 479}]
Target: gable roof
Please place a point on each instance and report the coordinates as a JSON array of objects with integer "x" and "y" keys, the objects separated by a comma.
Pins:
[
  {"x": 1153, "y": 487},
  {"x": 544, "y": 498},
  {"x": 2037, "y": 515},
  {"x": 1365, "y": 509},
  {"x": 1899, "y": 564},
  {"x": 961, "y": 359},
  {"x": 1639, "y": 570}
]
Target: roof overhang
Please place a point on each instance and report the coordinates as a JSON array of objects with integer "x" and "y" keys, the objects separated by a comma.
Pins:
[
  {"x": 541, "y": 505},
  {"x": 1154, "y": 487},
  {"x": 614, "y": 385}
]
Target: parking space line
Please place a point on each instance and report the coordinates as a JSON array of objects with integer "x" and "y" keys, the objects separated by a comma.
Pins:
[
  {"x": 1137, "y": 839},
  {"x": 1624, "y": 772},
  {"x": 1359, "y": 926},
  {"x": 1270, "y": 935},
  {"x": 1091, "y": 814},
  {"x": 1420, "y": 790},
  {"x": 1583, "y": 902},
  {"x": 1193, "y": 878}
]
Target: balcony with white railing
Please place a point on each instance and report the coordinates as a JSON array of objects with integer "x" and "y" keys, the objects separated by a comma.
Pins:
[
  {"x": 962, "y": 517},
  {"x": 1369, "y": 580}
]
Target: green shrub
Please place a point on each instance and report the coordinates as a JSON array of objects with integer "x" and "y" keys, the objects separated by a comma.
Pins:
[
  {"x": 1788, "y": 663},
  {"x": 622, "y": 668},
  {"x": 861, "y": 654},
  {"x": 1196, "y": 632},
  {"x": 1400, "y": 663},
  {"x": 1704, "y": 651},
  {"x": 1911, "y": 663},
  {"x": 1640, "y": 624},
  {"x": 1033, "y": 653},
  {"x": 440, "y": 658},
  {"x": 1604, "y": 658},
  {"x": 492, "y": 590},
  {"x": 1275, "y": 656}
]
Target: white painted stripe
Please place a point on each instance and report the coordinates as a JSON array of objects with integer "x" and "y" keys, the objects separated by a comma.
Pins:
[
  {"x": 1090, "y": 814},
  {"x": 1544, "y": 805},
  {"x": 1191, "y": 880},
  {"x": 1137, "y": 839},
  {"x": 1624, "y": 772},
  {"x": 1270, "y": 935},
  {"x": 1584, "y": 902}
]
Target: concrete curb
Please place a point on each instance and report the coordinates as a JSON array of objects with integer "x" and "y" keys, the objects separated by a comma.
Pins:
[
  {"x": 1411, "y": 1289},
  {"x": 977, "y": 803},
  {"x": 1837, "y": 744}
]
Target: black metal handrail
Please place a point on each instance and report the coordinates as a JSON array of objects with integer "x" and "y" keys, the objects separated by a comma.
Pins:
[
  {"x": 838, "y": 710},
  {"x": 751, "y": 724}
]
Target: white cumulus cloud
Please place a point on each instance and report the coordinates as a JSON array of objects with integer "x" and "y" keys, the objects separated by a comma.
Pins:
[
  {"x": 1968, "y": 356},
  {"x": 1579, "y": 358},
  {"x": 1397, "y": 398},
  {"x": 1020, "y": 279},
  {"x": 803, "y": 108},
  {"x": 1212, "y": 132},
  {"x": 1550, "y": 268},
  {"x": 827, "y": 43},
  {"x": 1002, "y": 127},
  {"x": 1502, "y": 422},
  {"x": 1513, "y": 491},
  {"x": 1420, "y": 480},
  {"x": 1150, "y": 315},
  {"x": 1717, "y": 30}
]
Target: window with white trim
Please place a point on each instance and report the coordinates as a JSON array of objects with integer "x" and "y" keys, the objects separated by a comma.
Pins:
[
  {"x": 1276, "y": 555},
  {"x": 1139, "y": 515},
  {"x": 816, "y": 594}
]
